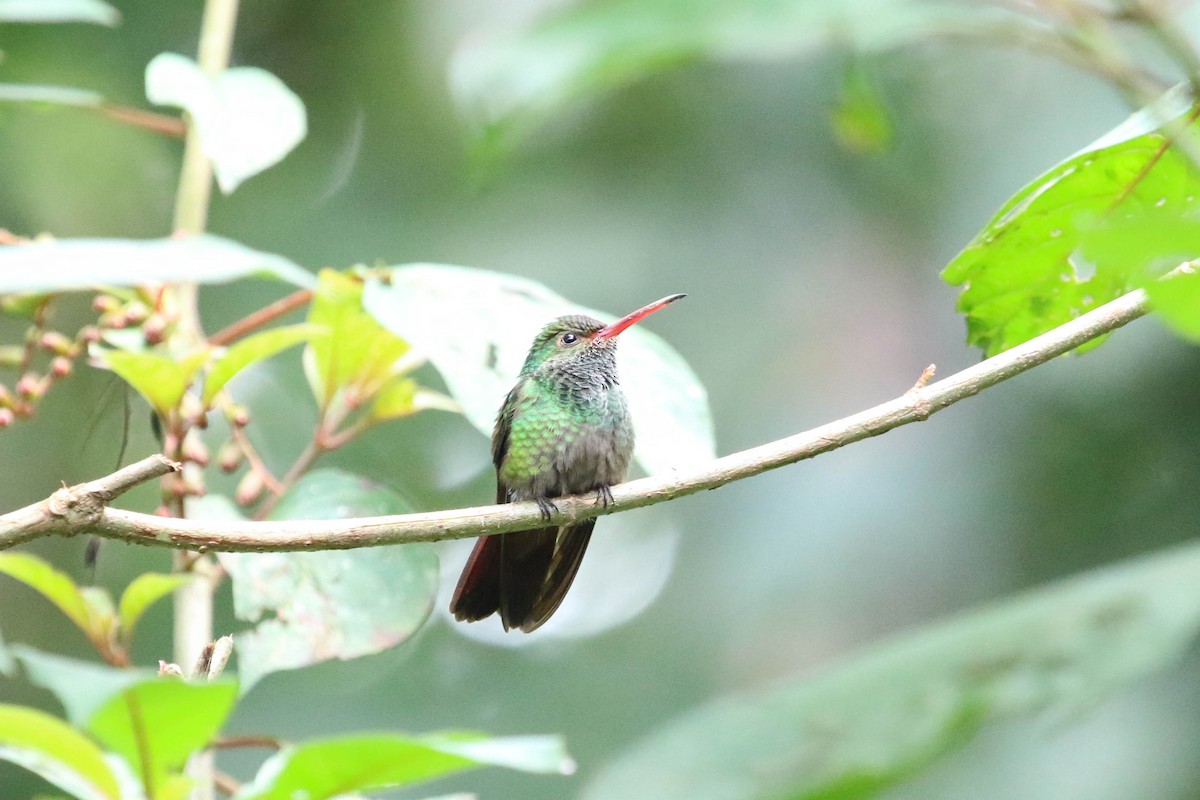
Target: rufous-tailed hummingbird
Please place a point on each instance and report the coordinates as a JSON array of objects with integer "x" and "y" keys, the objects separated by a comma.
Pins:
[{"x": 564, "y": 429}]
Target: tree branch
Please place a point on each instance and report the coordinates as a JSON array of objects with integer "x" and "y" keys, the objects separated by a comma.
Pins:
[{"x": 48, "y": 518}]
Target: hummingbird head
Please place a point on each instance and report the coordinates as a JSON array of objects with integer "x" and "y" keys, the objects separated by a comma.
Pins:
[{"x": 580, "y": 344}]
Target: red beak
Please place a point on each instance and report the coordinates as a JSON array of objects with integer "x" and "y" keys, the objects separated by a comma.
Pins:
[{"x": 609, "y": 331}]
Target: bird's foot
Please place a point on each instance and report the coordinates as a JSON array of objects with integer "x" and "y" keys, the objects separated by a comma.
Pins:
[
  {"x": 604, "y": 496},
  {"x": 546, "y": 507}
]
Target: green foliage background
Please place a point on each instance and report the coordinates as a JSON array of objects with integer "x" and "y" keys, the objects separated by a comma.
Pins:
[{"x": 813, "y": 289}]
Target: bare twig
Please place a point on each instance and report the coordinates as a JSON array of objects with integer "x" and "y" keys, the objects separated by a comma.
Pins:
[
  {"x": 262, "y": 316},
  {"x": 914, "y": 405}
]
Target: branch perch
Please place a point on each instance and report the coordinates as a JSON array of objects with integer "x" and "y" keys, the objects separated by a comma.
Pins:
[{"x": 48, "y": 517}]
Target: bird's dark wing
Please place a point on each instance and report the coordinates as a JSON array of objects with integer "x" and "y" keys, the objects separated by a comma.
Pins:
[
  {"x": 478, "y": 593},
  {"x": 525, "y": 558},
  {"x": 572, "y": 544}
]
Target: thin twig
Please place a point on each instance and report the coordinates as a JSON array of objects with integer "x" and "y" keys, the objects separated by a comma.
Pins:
[
  {"x": 262, "y": 316},
  {"x": 165, "y": 124},
  {"x": 236, "y": 742},
  {"x": 914, "y": 405}
]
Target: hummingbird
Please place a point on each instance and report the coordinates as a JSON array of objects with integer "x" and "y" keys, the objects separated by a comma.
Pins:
[{"x": 563, "y": 429}]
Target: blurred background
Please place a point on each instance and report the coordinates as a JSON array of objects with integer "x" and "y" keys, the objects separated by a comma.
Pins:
[{"x": 812, "y": 274}]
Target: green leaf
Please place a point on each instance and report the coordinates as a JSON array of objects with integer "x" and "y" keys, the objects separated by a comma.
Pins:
[
  {"x": 868, "y": 724},
  {"x": 332, "y": 767},
  {"x": 54, "y": 95},
  {"x": 1177, "y": 301},
  {"x": 145, "y": 590},
  {"x": 476, "y": 326},
  {"x": 81, "y": 686},
  {"x": 340, "y": 603},
  {"x": 1032, "y": 269},
  {"x": 860, "y": 120},
  {"x": 174, "y": 718},
  {"x": 402, "y": 396},
  {"x": 52, "y": 749},
  {"x": 358, "y": 355},
  {"x": 63, "y": 265},
  {"x": 95, "y": 11},
  {"x": 160, "y": 379},
  {"x": 507, "y": 85},
  {"x": 117, "y": 706},
  {"x": 247, "y": 119},
  {"x": 55, "y": 586},
  {"x": 253, "y": 349}
]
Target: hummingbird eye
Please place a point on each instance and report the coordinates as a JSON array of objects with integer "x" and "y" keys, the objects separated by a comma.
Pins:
[{"x": 568, "y": 338}]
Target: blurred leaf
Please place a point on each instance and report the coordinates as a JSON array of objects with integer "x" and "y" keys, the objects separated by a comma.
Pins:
[
  {"x": 161, "y": 379},
  {"x": 253, "y": 349},
  {"x": 119, "y": 705},
  {"x": 509, "y": 84},
  {"x": 53, "y": 750},
  {"x": 101, "y": 614},
  {"x": 402, "y": 396},
  {"x": 145, "y": 590},
  {"x": 870, "y": 723},
  {"x": 860, "y": 120},
  {"x": 358, "y": 354},
  {"x": 81, "y": 686},
  {"x": 247, "y": 119},
  {"x": 55, "y": 586},
  {"x": 73, "y": 264},
  {"x": 332, "y": 604},
  {"x": 1028, "y": 270},
  {"x": 331, "y": 767},
  {"x": 476, "y": 326},
  {"x": 22, "y": 305},
  {"x": 54, "y": 95},
  {"x": 1177, "y": 301},
  {"x": 96, "y": 11},
  {"x": 174, "y": 719}
]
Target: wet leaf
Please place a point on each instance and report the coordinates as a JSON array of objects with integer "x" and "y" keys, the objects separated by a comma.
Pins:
[
  {"x": 1034, "y": 266},
  {"x": 331, "y": 604}
]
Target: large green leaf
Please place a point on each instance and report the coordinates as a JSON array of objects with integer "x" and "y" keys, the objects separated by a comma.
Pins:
[
  {"x": 476, "y": 326},
  {"x": 333, "y": 604},
  {"x": 95, "y": 11},
  {"x": 247, "y": 119},
  {"x": 358, "y": 355},
  {"x": 333, "y": 767},
  {"x": 55, "y": 586},
  {"x": 1076, "y": 237},
  {"x": 509, "y": 83},
  {"x": 62, "y": 265},
  {"x": 54, "y": 750},
  {"x": 121, "y": 707},
  {"x": 867, "y": 724}
]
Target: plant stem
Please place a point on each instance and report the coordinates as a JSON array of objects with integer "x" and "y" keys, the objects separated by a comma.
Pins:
[
  {"x": 194, "y": 600},
  {"x": 261, "y": 317}
]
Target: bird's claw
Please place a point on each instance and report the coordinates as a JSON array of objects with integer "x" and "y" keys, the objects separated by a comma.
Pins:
[
  {"x": 546, "y": 507},
  {"x": 604, "y": 496}
]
